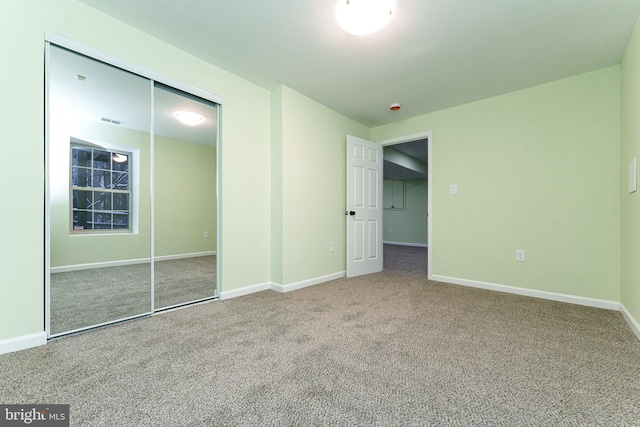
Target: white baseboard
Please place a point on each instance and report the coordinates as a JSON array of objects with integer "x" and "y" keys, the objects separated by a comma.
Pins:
[
  {"x": 234, "y": 293},
  {"x": 633, "y": 323},
  {"x": 278, "y": 287},
  {"x": 22, "y": 342},
  {"x": 415, "y": 245},
  {"x": 92, "y": 265},
  {"x": 572, "y": 299},
  {"x": 89, "y": 266},
  {"x": 304, "y": 283},
  {"x": 183, "y": 256}
]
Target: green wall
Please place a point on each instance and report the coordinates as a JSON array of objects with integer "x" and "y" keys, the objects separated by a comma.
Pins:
[
  {"x": 630, "y": 203},
  {"x": 311, "y": 183},
  {"x": 245, "y": 149},
  {"x": 67, "y": 249},
  {"x": 277, "y": 186},
  {"x": 185, "y": 197},
  {"x": 536, "y": 169},
  {"x": 408, "y": 225}
]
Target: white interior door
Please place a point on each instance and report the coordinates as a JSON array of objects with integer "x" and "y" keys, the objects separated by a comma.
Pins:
[{"x": 364, "y": 206}]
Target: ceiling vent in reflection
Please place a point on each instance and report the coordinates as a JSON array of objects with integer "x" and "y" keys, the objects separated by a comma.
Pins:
[{"x": 112, "y": 121}]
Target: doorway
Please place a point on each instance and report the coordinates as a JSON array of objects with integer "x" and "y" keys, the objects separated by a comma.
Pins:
[{"x": 407, "y": 197}]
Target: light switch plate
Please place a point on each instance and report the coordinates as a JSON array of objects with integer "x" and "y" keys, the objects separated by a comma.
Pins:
[
  {"x": 453, "y": 189},
  {"x": 633, "y": 186}
]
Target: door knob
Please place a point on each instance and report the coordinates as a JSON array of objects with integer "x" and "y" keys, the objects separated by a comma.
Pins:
[{"x": 352, "y": 213}]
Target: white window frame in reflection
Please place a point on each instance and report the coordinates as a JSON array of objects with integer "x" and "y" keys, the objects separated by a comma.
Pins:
[{"x": 93, "y": 210}]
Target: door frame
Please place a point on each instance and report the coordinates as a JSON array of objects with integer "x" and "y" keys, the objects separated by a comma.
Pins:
[{"x": 415, "y": 137}]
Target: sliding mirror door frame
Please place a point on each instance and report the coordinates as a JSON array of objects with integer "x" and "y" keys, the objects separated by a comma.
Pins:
[
  {"x": 184, "y": 182},
  {"x": 53, "y": 39}
]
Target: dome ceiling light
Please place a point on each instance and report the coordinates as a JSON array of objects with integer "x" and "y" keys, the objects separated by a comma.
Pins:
[
  {"x": 189, "y": 118},
  {"x": 362, "y": 17}
]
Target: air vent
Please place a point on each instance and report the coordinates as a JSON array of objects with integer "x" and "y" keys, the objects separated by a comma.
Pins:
[{"x": 112, "y": 121}]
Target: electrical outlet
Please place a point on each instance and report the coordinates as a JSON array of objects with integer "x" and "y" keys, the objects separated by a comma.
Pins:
[
  {"x": 332, "y": 247},
  {"x": 206, "y": 235},
  {"x": 520, "y": 255},
  {"x": 390, "y": 230}
]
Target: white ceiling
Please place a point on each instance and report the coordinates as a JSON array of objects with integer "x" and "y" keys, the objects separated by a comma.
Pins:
[
  {"x": 104, "y": 91},
  {"x": 434, "y": 54}
]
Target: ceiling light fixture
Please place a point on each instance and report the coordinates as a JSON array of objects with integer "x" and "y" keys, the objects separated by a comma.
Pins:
[
  {"x": 189, "y": 118},
  {"x": 362, "y": 17}
]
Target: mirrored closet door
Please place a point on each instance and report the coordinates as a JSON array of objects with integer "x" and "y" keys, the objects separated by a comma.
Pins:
[
  {"x": 131, "y": 195},
  {"x": 99, "y": 192},
  {"x": 184, "y": 198}
]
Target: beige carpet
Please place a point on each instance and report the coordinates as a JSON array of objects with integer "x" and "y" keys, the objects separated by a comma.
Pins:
[
  {"x": 85, "y": 298},
  {"x": 385, "y": 349}
]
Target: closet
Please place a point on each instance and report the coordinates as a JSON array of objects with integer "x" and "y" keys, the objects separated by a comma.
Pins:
[{"x": 131, "y": 217}]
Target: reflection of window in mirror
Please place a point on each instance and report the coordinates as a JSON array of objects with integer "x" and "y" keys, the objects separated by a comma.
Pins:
[{"x": 101, "y": 189}]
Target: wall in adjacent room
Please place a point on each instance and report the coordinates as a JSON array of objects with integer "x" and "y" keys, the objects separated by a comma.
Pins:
[{"x": 408, "y": 225}]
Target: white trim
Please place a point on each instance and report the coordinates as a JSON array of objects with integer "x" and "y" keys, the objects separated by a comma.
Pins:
[
  {"x": 415, "y": 245},
  {"x": 180, "y": 306},
  {"x": 633, "y": 323},
  {"x": 47, "y": 195},
  {"x": 309, "y": 282},
  {"x": 152, "y": 193},
  {"x": 23, "y": 342},
  {"x": 218, "y": 201},
  {"x": 183, "y": 256},
  {"x": 134, "y": 189},
  {"x": 572, "y": 299},
  {"x": 99, "y": 325},
  {"x": 430, "y": 205},
  {"x": 234, "y": 293},
  {"x": 407, "y": 138},
  {"x": 89, "y": 266}
]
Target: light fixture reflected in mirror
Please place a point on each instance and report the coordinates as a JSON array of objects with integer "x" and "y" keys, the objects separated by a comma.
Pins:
[
  {"x": 362, "y": 17},
  {"x": 189, "y": 118},
  {"x": 119, "y": 158}
]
